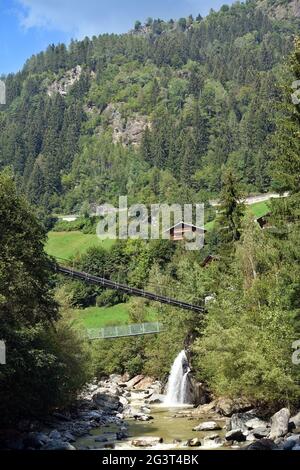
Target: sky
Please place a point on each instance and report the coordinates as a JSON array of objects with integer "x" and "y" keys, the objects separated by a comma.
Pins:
[{"x": 29, "y": 26}]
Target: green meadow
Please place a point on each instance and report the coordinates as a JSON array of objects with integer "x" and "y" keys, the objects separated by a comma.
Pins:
[{"x": 68, "y": 245}]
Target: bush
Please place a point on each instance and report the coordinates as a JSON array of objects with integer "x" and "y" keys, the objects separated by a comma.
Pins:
[{"x": 45, "y": 369}]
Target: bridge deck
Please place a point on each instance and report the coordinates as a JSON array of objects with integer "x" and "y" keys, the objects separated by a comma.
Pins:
[
  {"x": 135, "y": 329},
  {"x": 91, "y": 279}
]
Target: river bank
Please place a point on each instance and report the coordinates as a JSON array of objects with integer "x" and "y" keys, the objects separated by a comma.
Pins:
[{"x": 122, "y": 413}]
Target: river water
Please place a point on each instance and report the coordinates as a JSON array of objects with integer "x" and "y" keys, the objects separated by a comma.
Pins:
[{"x": 164, "y": 425}]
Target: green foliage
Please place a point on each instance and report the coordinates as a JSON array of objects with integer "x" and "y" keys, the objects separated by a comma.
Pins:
[
  {"x": 245, "y": 347},
  {"x": 46, "y": 361}
]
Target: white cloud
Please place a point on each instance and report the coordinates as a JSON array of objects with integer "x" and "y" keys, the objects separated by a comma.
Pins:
[
  {"x": 76, "y": 17},
  {"x": 80, "y": 18}
]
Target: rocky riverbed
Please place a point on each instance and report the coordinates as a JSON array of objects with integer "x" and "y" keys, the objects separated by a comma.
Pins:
[{"x": 118, "y": 412}]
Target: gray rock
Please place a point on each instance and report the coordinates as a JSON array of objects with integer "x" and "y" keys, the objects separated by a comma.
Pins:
[
  {"x": 263, "y": 444},
  {"x": 68, "y": 437},
  {"x": 291, "y": 442},
  {"x": 256, "y": 423},
  {"x": 260, "y": 432},
  {"x": 55, "y": 435},
  {"x": 56, "y": 444},
  {"x": 147, "y": 441},
  {"x": 123, "y": 401},
  {"x": 116, "y": 378},
  {"x": 295, "y": 420},
  {"x": 131, "y": 383},
  {"x": 239, "y": 420},
  {"x": 296, "y": 448},
  {"x": 280, "y": 423},
  {"x": 194, "y": 442},
  {"x": 207, "y": 426},
  {"x": 235, "y": 435},
  {"x": 107, "y": 402}
]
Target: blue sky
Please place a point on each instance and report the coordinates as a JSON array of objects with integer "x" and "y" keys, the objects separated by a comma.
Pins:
[{"x": 28, "y": 26}]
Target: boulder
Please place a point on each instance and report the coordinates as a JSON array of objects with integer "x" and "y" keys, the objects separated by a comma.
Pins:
[
  {"x": 256, "y": 423},
  {"x": 134, "y": 381},
  {"x": 123, "y": 401},
  {"x": 204, "y": 409},
  {"x": 194, "y": 442},
  {"x": 196, "y": 391},
  {"x": 55, "y": 435},
  {"x": 56, "y": 444},
  {"x": 147, "y": 441},
  {"x": 235, "y": 435},
  {"x": 262, "y": 444},
  {"x": 260, "y": 432},
  {"x": 280, "y": 423},
  {"x": 207, "y": 426},
  {"x": 106, "y": 402},
  {"x": 145, "y": 383},
  {"x": 67, "y": 436},
  {"x": 291, "y": 442},
  {"x": 228, "y": 406},
  {"x": 239, "y": 420},
  {"x": 156, "y": 387},
  {"x": 295, "y": 420},
  {"x": 154, "y": 399},
  {"x": 115, "y": 378}
]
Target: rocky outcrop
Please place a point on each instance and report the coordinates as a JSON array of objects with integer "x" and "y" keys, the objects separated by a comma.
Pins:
[
  {"x": 280, "y": 10},
  {"x": 107, "y": 402},
  {"x": 63, "y": 85},
  {"x": 228, "y": 406},
  {"x": 127, "y": 131},
  {"x": 196, "y": 391}
]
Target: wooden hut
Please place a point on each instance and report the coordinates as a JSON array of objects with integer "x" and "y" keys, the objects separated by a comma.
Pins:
[{"x": 182, "y": 231}]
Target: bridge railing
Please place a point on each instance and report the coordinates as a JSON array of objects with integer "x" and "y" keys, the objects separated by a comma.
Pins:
[{"x": 135, "y": 329}]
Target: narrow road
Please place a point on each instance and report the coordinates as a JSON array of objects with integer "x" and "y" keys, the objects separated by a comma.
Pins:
[{"x": 254, "y": 199}]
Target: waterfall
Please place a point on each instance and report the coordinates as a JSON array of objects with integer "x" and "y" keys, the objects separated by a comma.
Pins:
[{"x": 177, "y": 383}]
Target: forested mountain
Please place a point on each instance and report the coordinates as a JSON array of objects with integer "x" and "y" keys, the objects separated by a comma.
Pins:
[{"x": 157, "y": 113}]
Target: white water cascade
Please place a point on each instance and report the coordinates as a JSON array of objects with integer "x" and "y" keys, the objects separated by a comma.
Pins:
[{"x": 177, "y": 383}]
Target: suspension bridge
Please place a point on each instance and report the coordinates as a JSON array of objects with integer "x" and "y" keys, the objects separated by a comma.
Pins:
[{"x": 126, "y": 330}]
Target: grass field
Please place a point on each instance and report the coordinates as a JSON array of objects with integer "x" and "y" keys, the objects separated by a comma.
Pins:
[
  {"x": 68, "y": 245},
  {"x": 98, "y": 317},
  {"x": 259, "y": 208}
]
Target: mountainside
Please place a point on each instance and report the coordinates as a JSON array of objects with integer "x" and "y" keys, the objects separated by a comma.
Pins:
[
  {"x": 157, "y": 113},
  {"x": 281, "y": 9}
]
